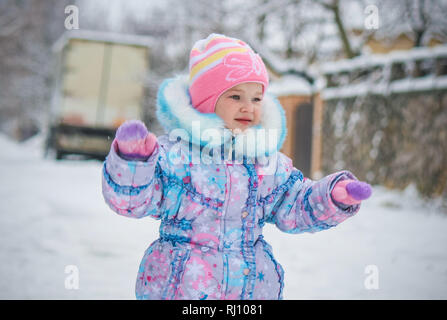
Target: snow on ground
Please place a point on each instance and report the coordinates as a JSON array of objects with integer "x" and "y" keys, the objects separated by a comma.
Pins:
[{"x": 53, "y": 216}]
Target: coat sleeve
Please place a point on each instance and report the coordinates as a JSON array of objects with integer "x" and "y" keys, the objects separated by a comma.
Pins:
[
  {"x": 133, "y": 188},
  {"x": 299, "y": 204}
]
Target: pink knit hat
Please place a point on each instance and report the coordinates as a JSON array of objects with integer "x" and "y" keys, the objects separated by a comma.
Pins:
[{"x": 218, "y": 63}]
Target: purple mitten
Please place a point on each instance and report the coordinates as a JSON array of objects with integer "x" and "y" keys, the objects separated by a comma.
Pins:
[
  {"x": 351, "y": 191},
  {"x": 134, "y": 141}
]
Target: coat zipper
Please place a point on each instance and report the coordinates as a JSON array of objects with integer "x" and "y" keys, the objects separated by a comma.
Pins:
[{"x": 222, "y": 228}]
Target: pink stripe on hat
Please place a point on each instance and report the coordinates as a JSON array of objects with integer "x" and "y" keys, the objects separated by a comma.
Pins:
[{"x": 219, "y": 63}]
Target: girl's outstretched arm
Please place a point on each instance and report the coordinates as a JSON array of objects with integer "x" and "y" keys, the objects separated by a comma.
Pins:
[
  {"x": 131, "y": 185},
  {"x": 297, "y": 204}
]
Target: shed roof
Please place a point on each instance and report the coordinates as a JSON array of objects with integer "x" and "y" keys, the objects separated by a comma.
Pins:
[{"x": 91, "y": 35}]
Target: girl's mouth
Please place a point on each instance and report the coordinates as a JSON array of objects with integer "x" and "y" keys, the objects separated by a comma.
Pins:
[{"x": 244, "y": 121}]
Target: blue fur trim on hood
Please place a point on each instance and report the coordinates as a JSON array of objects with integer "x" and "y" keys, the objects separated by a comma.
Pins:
[{"x": 175, "y": 111}]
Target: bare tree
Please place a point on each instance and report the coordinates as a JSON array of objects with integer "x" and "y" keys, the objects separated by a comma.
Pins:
[
  {"x": 27, "y": 31},
  {"x": 421, "y": 16},
  {"x": 334, "y": 7},
  {"x": 422, "y": 20}
]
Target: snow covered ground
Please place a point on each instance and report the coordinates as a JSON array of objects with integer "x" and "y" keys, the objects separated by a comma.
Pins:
[{"x": 53, "y": 216}]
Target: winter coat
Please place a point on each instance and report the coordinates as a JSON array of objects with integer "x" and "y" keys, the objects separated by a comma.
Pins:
[{"x": 212, "y": 215}]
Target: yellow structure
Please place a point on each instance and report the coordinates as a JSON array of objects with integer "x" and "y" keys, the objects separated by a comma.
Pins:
[{"x": 98, "y": 84}]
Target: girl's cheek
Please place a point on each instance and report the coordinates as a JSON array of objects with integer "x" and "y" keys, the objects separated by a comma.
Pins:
[{"x": 258, "y": 116}]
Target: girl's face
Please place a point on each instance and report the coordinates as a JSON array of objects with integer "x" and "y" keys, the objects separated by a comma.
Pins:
[{"x": 240, "y": 106}]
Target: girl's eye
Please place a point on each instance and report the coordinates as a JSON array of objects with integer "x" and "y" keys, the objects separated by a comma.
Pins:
[
  {"x": 235, "y": 97},
  {"x": 256, "y": 99}
]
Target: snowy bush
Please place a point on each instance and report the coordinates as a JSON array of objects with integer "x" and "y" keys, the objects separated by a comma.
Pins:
[{"x": 392, "y": 137}]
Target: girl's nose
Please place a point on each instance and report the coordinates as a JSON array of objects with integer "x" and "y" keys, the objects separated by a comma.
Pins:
[{"x": 247, "y": 107}]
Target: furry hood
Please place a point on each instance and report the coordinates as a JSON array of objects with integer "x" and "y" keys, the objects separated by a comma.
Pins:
[{"x": 179, "y": 118}]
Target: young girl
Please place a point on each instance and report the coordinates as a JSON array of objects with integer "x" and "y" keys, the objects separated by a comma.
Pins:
[{"x": 212, "y": 212}]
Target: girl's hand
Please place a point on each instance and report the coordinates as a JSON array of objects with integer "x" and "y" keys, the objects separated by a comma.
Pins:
[
  {"x": 134, "y": 141},
  {"x": 351, "y": 192}
]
